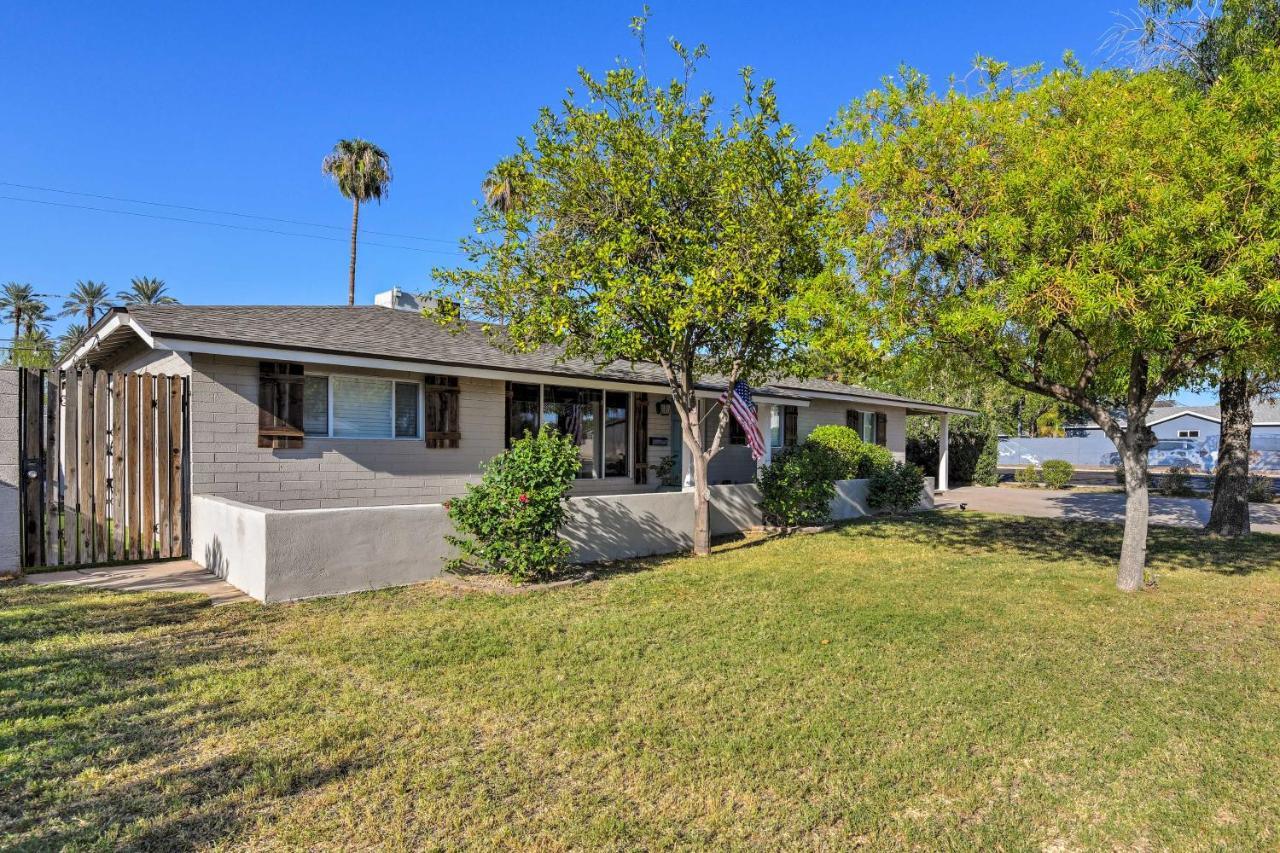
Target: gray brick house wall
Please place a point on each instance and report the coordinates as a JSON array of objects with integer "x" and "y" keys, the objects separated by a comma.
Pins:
[
  {"x": 10, "y": 535},
  {"x": 227, "y": 462}
]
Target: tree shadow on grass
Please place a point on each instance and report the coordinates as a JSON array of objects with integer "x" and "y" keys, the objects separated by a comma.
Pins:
[
  {"x": 102, "y": 716},
  {"x": 1055, "y": 540}
]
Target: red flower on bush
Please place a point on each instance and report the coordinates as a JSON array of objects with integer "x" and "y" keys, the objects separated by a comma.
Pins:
[{"x": 524, "y": 499}]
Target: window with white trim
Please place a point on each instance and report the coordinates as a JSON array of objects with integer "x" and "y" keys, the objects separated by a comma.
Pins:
[{"x": 348, "y": 406}]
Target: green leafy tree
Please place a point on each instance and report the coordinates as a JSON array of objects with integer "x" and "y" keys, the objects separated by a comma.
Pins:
[
  {"x": 34, "y": 349},
  {"x": 362, "y": 172},
  {"x": 15, "y": 301},
  {"x": 144, "y": 290},
  {"x": 87, "y": 298},
  {"x": 1206, "y": 43},
  {"x": 635, "y": 227},
  {"x": 1086, "y": 237}
]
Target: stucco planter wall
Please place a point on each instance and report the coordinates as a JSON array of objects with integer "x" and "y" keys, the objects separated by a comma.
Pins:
[{"x": 283, "y": 555}]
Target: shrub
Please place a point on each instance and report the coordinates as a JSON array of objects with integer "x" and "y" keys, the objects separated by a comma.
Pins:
[
  {"x": 968, "y": 439},
  {"x": 514, "y": 515},
  {"x": 858, "y": 458},
  {"x": 798, "y": 485},
  {"x": 1119, "y": 472},
  {"x": 1177, "y": 482},
  {"x": 1027, "y": 475},
  {"x": 985, "y": 470},
  {"x": 1056, "y": 473},
  {"x": 895, "y": 488},
  {"x": 1262, "y": 489}
]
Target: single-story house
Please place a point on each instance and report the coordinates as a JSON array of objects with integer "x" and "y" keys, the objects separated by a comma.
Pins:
[
  {"x": 296, "y": 409},
  {"x": 1186, "y": 435}
]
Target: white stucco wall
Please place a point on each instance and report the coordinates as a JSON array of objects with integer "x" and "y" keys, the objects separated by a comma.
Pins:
[{"x": 282, "y": 555}]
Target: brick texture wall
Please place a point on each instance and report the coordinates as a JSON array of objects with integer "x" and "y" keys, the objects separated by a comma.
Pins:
[
  {"x": 10, "y": 476},
  {"x": 226, "y": 460}
]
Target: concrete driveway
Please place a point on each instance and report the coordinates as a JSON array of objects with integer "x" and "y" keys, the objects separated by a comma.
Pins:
[
  {"x": 169, "y": 576},
  {"x": 1096, "y": 506}
]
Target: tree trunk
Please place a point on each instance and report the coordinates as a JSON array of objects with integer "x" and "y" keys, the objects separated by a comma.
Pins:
[
  {"x": 1230, "y": 513},
  {"x": 1133, "y": 550},
  {"x": 17, "y": 330},
  {"x": 355, "y": 225},
  {"x": 701, "y": 507}
]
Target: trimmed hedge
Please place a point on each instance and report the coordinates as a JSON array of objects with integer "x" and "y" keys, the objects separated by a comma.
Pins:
[
  {"x": 896, "y": 488},
  {"x": 798, "y": 485},
  {"x": 858, "y": 458}
]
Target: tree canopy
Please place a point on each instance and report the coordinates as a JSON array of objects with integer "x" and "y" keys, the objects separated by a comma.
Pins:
[
  {"x": 1095, "y": 238},
  {"x": 632, "y": 225}
]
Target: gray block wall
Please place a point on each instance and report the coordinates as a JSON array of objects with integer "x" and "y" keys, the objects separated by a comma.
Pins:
[
  {"x": 10, "y": 532},
  {"x": 328, "y": 473}
]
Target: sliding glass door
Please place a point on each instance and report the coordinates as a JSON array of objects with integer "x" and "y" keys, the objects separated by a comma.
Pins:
[{"x": 576, "y": 412}]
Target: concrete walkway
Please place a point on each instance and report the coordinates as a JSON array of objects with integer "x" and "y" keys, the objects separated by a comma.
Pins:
[
  {"x": 170, "y": 576},
  {"x": 1096, "y": 506}
]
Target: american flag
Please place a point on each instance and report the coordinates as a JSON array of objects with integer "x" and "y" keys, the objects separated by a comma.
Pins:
[{"x": 744, "y": 411}]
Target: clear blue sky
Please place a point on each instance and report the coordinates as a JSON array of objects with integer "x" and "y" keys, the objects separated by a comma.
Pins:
[{"x": 232, "y": 106}]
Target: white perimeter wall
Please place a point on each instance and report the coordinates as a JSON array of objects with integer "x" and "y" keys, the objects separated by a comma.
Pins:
[{"x": 282, "y": 555}]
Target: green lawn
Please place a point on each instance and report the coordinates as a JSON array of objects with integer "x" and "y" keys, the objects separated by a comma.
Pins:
[{"x": 950, "y": 680}]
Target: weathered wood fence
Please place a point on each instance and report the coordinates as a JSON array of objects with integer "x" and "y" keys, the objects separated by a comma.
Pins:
[{"x": 103, "y": 461}]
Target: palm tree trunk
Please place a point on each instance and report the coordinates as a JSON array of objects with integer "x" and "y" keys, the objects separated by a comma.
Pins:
[
  {"x": 17, "y": 332},
  {"x": 355, "y": 225}
]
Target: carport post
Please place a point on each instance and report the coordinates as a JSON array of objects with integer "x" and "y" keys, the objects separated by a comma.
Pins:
[{"x": 943, "y": 441}]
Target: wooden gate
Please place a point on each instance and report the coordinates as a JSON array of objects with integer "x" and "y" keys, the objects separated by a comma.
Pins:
[{"x": 104, "y": 467}]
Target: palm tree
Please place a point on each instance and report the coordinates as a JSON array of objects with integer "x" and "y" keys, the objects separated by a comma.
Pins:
[
  {"x": 70, "y": 339},
  {"x": 37, "y": 316},
  {"x": 16, "y": 300},
  {"x": 362, "y": 172},
  {"x": 500, "y": 190},
  {"x": 87, "y": 298},
  {"x": 145, "y": 290}
]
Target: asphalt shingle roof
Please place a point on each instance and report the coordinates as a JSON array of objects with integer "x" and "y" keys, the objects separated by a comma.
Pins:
[{"x": 379, "y": 332}]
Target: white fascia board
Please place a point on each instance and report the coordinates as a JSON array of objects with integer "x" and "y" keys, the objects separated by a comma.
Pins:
[
  {"x": 91, "y": 343},
  {"x": 866, "y": 399},
  {"x": 703, "y": 394},
  {"x": 1190, "y": 413}
]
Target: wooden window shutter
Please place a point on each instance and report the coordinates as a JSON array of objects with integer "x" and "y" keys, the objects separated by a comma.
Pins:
[
  {"x": 882, "y": 429},
  {"x": 280, "y": 395},
  {"x": 851, "y": 420},
  {"x": 440, "y": 407}
]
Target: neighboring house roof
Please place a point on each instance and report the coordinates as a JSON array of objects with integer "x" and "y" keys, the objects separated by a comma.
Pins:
[
  {"x": 1265, "y": 413},
  {"x": 389, "y": 333}
]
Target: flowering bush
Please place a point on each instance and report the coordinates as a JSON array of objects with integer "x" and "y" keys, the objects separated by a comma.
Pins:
[{"x": 514, "y": 515}]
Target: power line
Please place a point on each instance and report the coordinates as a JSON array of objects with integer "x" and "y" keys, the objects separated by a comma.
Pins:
[
  {"x": 221, "y": 224},
  {"x": 224, "y": 212}
]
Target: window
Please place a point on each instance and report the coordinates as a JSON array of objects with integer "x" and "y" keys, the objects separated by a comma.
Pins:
[
  {"x": 406, "y": 413},
  {"x": 599, "y": 422},
  {"x": 871, "y": 427},
  {"x": 360, "y": 407},
  {"x": 440, "y": 411},
  {"x": 315, "y": 420},
  {"x": 615, "y": 433},
  {"x": 522, "y": 409},
  {"x": 576, "y": 412},
  {"x": 1188, "y": 433},
  {"x": 782, "y": 426},
  {"x": 280, "y": 404}
]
